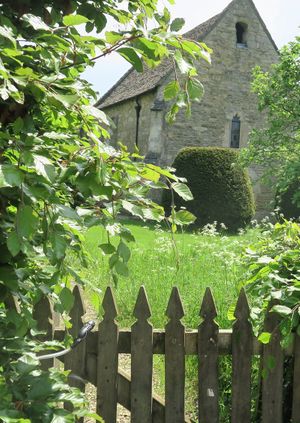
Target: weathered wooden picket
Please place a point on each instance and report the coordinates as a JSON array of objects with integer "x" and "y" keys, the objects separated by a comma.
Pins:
[{"x": 96, "y": 360}]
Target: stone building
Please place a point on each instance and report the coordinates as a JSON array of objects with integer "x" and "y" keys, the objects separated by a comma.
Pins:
[{"x": 228, "y": 110}]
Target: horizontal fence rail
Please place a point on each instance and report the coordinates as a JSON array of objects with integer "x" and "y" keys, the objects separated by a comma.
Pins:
[{"x": 97, "y": 361}]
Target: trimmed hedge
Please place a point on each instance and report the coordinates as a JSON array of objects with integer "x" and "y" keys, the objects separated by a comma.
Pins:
[
  {"x": 222, "y": 190},
  {"x": 285, "y": 202}
]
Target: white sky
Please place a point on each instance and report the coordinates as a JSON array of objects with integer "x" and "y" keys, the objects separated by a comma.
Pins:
[{"x": 282, "y": 18}]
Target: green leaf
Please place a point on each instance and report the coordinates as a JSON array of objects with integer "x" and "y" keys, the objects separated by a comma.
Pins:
[
  {"x": 126, "y": 235},
  {"x": 282, "y": 310},
  {"x": 36, "y": 22},
  {"x": 96, "y": 113},
  {"x": 4, "y": 94},
  {"x": 121, "y": 268},
  {"x": 59, "y": 245},
  {"x": 113, "y": 37},
  {"x": 195, "y": 89},
  {"x": 182, "y": 190},
  {"x": 89, "y": 27},
  {"x": 133, "y": 209},
  {"x": 171, "y": 90},
  {"x": 10, "y": 176},
  {"x": 183, "y": 217},
  {"x": 177, "y": 24},
  {"x": 124, "y": 251},
  {"x": 113, "y": 260},
  {"x": 9, "y": 277},
  {"x": 66, "y": 100},
  {"x": 132, "y": 57},
  {"x": 100, "y": 21},
  {"x": 7, "y": 32},
  {"x": 73, "y": 20},
  {"x": 66, "y": 298},
  {"x": 163, "y": 172},
  {"x": 67, "y": 212},
  {"x": 44, "y": 167},
  {"x": 18, "y": 125},
  {"x": 150, "y": 174},
  {"x": 182, "y": 64},
  {"x": 152, "y": 213},
  {"x": 264, "y": 337},
  {"x": 107, "y": 248},
  {"x": 13, "y": 243},
  {"x": 26, "y": 221},
  {"x": 18, "y": 96}
]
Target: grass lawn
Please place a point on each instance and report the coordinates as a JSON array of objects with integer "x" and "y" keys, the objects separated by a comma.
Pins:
[{"x": 196, "y": 261}]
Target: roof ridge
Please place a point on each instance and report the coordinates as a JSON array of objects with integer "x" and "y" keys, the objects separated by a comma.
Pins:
[
  {"x": 101, "y": 99},
  {"x": 132, "y": 83},
  {"x": 213, "y": 20},
  {"x": 263, "y": 25}
]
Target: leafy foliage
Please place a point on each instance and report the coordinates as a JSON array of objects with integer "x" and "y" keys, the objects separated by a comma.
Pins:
[
  {"x": 222, "y": 190},
  {"x": 288, "y": 200},
  {"x": 59, "y": 176},
  {"x": 273, "y": 278},
  {"x": 276, "y": 147}
]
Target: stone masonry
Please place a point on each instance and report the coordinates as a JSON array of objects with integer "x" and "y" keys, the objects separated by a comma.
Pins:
[{"x": 138, "y": 109}]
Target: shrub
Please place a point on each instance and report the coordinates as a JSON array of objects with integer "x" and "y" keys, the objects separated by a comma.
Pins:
[
  {"x": 273, "y": 275},
  {"x": 286, "y": 200},
  {"x": 221, "y": 189},
  {"x": 272, "y": 282}
]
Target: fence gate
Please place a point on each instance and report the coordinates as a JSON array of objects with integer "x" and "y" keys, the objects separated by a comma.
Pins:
[{"x": 96, "y": 360}]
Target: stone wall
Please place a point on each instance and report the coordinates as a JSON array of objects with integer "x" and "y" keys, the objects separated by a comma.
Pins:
[
  {"x": 125, "y": 119},
  {"x": 227, "y": 85},
  {"x": 227, "y": 93}
]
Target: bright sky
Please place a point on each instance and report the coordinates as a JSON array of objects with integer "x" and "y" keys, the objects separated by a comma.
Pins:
[{"x": 282, "y": 18}]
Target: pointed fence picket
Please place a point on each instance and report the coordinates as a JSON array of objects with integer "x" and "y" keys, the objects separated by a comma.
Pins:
[
  {"x": 272, "y": 380},
  {"x": 43, "y": 313},
  {"x": 141, "y": 361},
  {"x": 175, "y": 360},
  {"x": 242, "y": 350},
  {"x": 96, "y": 360},
  {"x": 296, "y": 381},
  {"x": 208, "y": 399},
  {"x": 107, "y": 360}
]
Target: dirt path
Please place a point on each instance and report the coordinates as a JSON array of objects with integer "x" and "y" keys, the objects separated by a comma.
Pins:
[{"x": 123, "y": 415}]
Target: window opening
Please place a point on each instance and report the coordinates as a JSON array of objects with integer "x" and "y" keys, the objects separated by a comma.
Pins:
[
  {"x": 241, "y": 34},
  {"x": 235, "y": 132}
]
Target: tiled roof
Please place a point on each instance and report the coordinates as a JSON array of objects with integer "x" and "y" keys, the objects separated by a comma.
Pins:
[{"x": 134, "y": 83}]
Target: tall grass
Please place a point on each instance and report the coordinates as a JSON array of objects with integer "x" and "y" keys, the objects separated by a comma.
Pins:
[
  {"x": 197, "y": 261},
  {"x": 194, "y": 263}
]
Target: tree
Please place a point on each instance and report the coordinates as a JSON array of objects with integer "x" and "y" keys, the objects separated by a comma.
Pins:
[
  {"x": 277, "y": 146},
  {"x": 58, "y": 175}
]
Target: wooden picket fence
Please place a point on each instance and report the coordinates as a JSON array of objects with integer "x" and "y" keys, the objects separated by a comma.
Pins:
[{"x": 96, "y": 360}]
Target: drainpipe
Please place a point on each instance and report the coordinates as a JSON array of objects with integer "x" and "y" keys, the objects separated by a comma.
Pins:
[{"x": 138, "y": 111}]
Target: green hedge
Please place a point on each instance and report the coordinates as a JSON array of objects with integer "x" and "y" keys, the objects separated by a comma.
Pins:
[
  {"x": 222, "y": 190},
  {"x": 285, "y": 201}
]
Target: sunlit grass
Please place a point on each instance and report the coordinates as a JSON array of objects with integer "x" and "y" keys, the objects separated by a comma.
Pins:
[{"x": 195, "y": 261}]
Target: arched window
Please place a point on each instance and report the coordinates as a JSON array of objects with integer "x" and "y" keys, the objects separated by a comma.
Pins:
[
  {"x": 235, "y": 132},
  {"x": 241, "y": 34}
]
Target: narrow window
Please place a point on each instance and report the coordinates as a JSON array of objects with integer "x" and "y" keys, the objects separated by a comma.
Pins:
[
  {"x": 113, "y": 130},
  {"x": 235, "y": 132},
  {"x": 241, "y": 34}
]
